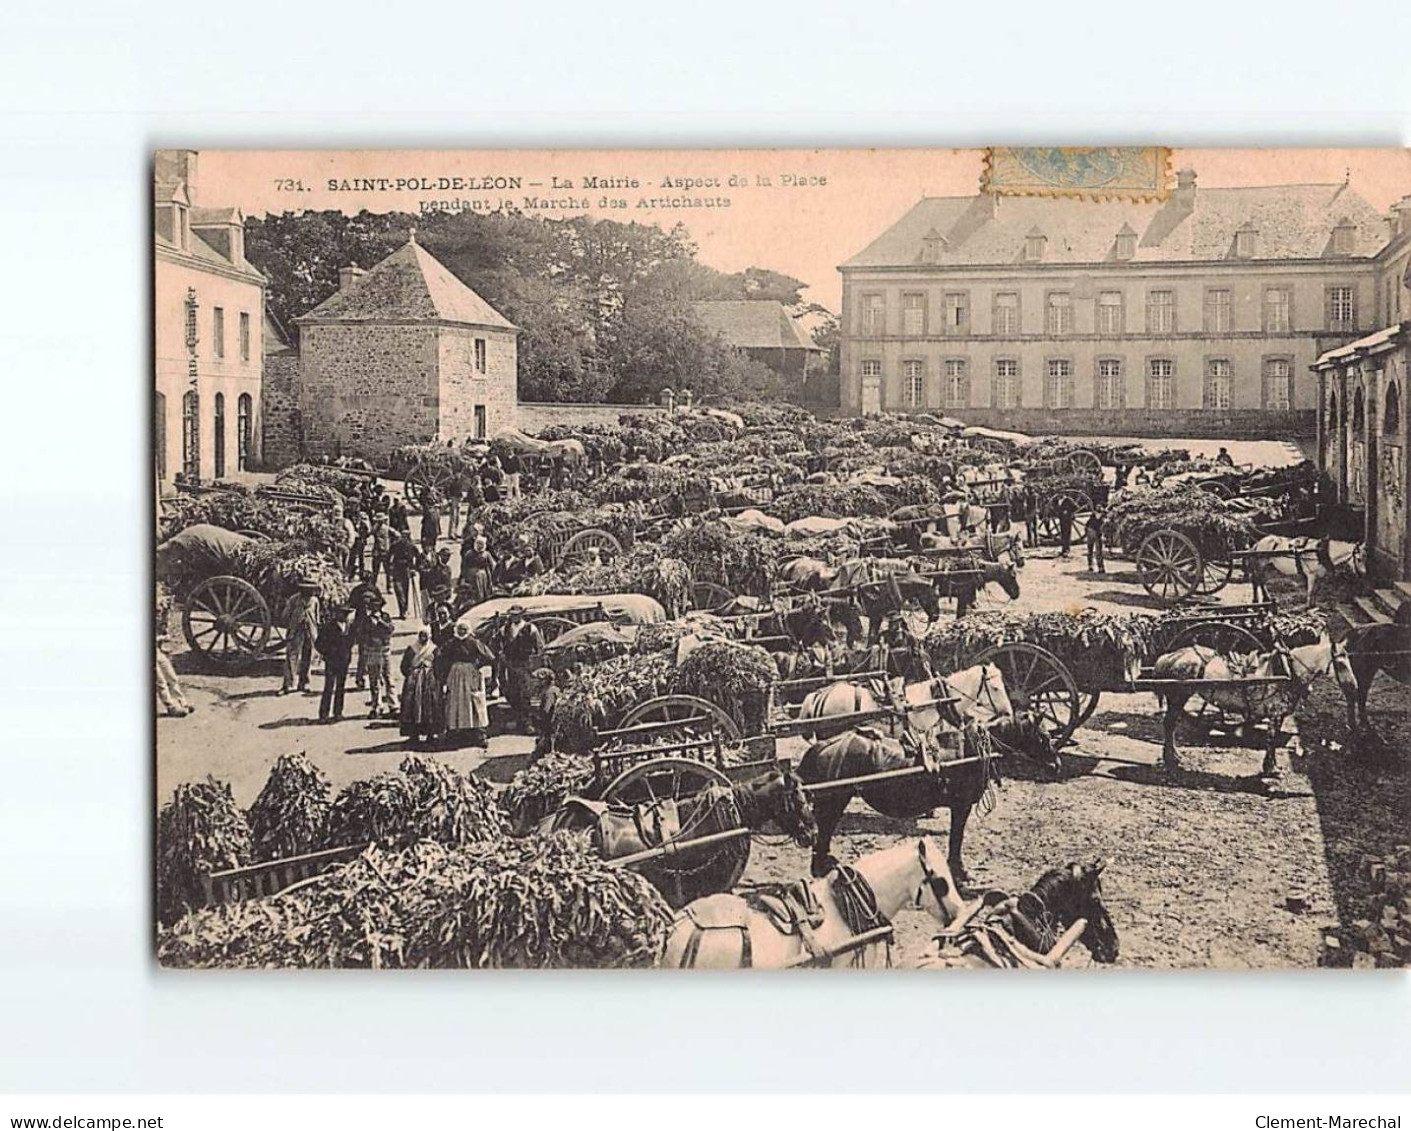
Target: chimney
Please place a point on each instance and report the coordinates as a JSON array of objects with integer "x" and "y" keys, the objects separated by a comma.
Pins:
[
  {"x": 177, "y": 166},
  {"x": 1401, "y": 217},
  {"x": 348, "y": 275},
  {"x": 1185, "y": 189}
]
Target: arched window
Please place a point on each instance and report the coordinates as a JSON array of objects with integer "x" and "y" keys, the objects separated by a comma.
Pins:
[
  {"x": 1332, "y": 411},
  {"x": 1391, "y": 416},
  {"x": 243, "y": 409},
  {"x": 1359, "y": 416},
  {"x": 191, "y": 435},
  {"x": 220, "y": 435}
]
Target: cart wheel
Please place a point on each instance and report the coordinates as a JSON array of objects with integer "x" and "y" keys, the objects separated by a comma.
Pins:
[
  {"x": 226, "y": 619},
  {"x": 434, "y": 476},
  {"x": 1087, "y": 704},
  {"x": 1048, "y": 517},
  {"x": 692, "y": 873},
  {"x": 1215, "y": 574},
  {"x": 1037, "y": 681},
  {"x": 1227, "y": 639},
  {"x": 706, "y": 595},
  {"x": 1169, "y": 565},
  {"x": 578, "y": 550},
  {"x": 1085, "y": 462},
  {"x": 1217, "y": 487},
  {"x": 696, "y": 716}
]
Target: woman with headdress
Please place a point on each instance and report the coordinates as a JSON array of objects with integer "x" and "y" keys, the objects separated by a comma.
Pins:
[
  {"x": 423, "y": 714},
  {"x": 460, "y": 660},
  {"x": 477, "y": 569}
]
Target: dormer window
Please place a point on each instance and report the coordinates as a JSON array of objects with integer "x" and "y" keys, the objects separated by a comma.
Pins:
[
  {"x": 931, "y": 245},
  {"x": 1343, "y": 237},
  {"x": 1126, "y": 245},
  {"x": 1247, "y": 241},
  {"x": 1034, "y": 246}
]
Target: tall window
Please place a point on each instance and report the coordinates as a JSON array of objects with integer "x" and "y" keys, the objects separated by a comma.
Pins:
[
  {"x": 220, "y": 435},
  {"x": 1006, "y": 313},
  {"x": 190, "y": 435},
  {"x": 1342, "y": 308},
  {"x": 244, "y": 411},
  {"x": 1058, "y": 383},
  {"x": 480, "y": 355},
  {"x": 913, "y": 314},
  {"x": 1034, "y": 246},
  {"x": 957, "y": 385},
  {"x": 244, "y": 335},
  {"x": 1278, "y": 306},
  {"x": 1278, "y": 383},
  {"x": 1126, "y": 245},
  {"x": 913, "y": 375},
  {"x": 1058, "y": 313},
  {"x": 874, "y": 315},
  {"x": 957, "y": 313},
  {"x": 1391, "y": 414},
  {"x": 1160, "y": 312},
  {"x": 1005, "y": 391},
  {"x": 1217, "y": 311},
  {"x": 1216, "y": 393},
  {"x": 218, "y": 331},
  {"x": 480, "y": 422},
  {"x": 1161, "y": 383},
  {"x": 1109, "y": 312},
  {"x": 1110, "y": 391}
]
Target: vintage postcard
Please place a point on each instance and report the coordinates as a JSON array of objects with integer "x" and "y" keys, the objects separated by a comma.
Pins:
[{"x": 782, "y": 559}]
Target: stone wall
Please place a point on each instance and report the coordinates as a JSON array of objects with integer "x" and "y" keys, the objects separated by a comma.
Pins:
[
  {"x": 464, "y": 385},
  {"x": 535, "y": 416},
  {"x": 368, "y": 389},
  {"x": 281, "y": 418}
]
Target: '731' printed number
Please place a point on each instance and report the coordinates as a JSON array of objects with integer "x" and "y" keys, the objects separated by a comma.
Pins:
[{"x": 283, "y": 184}]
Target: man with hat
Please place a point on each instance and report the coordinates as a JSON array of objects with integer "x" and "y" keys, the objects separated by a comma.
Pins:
[
  {"x": 375, "y": 654},
  {"x": 302, "y": 613},
  {"x": 335, "y": 645},
  {"x": 436, "y": 574},
  {"x": 402, "y": 558},
  {"x": 522, "y": 644},
  {"x": 381, "y": 543}
]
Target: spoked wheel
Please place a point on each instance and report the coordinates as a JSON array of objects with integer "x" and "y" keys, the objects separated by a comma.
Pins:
[
  {"x": 587, "y": 546},
  {"x": 435, "y": 476},
  {"x": 1048, "y": 517},
  {"x": 706, "y": 595},
  {"x": 1215, "y": 574},
  {"x": 1170, "y": 565},
  {"x": 1085, "y": 462},
  {"x": 660, "y": 794},
  {"x": 226, "y": 620},
  {"x": 1038, "y": 682},
  {"x": 694, "y": 717},
  {"x": 1087, "y": 704},
  {"x": 1217, "y": 487},
  {"x": 1222, "y": 637}
]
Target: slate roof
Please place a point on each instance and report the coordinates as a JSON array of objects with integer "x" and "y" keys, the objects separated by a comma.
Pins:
[
  {"x": 1293, "y": 222},
  {"x": 202, "y": 251},
  {"x": 753, "y": 325},
  {"x": 410, "y": 285}
]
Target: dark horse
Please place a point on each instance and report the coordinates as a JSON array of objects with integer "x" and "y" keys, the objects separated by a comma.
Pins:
[
  {"x": 776, "y": 797},
  {"x": 1377, "y": 648},
  {"x": 888, "y": 585},
  {"x": 1036, "y": 920},
  {"x": 858, "y": 753}
]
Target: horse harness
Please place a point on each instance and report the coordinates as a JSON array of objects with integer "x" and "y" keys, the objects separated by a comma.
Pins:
[{"x": 1025, "y": 919}]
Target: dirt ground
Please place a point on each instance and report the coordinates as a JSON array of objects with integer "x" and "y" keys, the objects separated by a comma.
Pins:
[{"x": 1210, "y": 867}]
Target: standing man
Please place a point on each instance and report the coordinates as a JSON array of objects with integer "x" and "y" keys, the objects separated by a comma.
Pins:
[
  {"x": 454, "y": 491},
  {"x": 335, "y": 645},
  {"x": 302, "y": 613},
  {"x": 430, "y": 522},
  {"x": 375, "y": 650},
  {"x": 1065, "y": 510},
  {"x": 512, "y": 468},
  {"x": 397, "y": 517},
  {"x": 362, "y": 529},
  {"x": 523, "y": 643},
  {"x": 381, "y": 544},
  {"x": 1031, "y": 514},
  {"x": 402, "y": 559},
  {"x": 1094, "y": 538}
]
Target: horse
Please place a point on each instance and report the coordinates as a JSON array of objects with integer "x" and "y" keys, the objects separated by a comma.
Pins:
[
  {"x": 1377, "y": 648},
  {"x": 807, "y": 574},
  {"x": 1269, "y": 702},
  {"x": 973, "y": 701},
  {"x": 776, "y": 796},
  {"x": 810, "y": 923},
  {"x": 993, "y": 546},
  {"x": 1310, "y": 558},
  {"x": 1005, "y": 931}
]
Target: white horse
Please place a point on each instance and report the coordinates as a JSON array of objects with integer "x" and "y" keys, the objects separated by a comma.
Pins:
[
  {"x": 1309, "y": 558},
  {"x": 975, "y": 695},
  {"x": 728, "y": 932}
]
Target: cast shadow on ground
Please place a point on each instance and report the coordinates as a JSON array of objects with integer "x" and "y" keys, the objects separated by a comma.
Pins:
[
  {"x": 501, "y": 768},
  {"x": 1139, "y": 599},
  {"x": 1199, "y": 780},
  {"x": 401, "y": 745}
]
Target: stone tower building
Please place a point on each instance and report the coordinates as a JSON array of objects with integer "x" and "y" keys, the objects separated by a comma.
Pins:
[{"x": 401, "y": 354}]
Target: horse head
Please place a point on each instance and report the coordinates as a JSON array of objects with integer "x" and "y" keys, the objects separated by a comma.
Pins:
[
  {"x": 1074, "y": 892},
  {"x": 1025, "y": 735},
  {"x": 936, "y": 891},
  {"x": 1005, "y": 577}
]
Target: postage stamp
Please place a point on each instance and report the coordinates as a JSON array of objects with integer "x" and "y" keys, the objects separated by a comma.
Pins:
[{"x": 1133, "y": 172}]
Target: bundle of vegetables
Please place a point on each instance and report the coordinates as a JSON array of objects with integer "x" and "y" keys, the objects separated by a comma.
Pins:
[
  {"x": 601, "y": 693},
  {"x": 542, "y": 787},
  {"x": 422, "y": 800},
  {"x": 1297, "y": 627},
  {"x": 762, "y": 415},
  {"x": 728, "y": 460},
  {"x": 734, "y": 676},
  {"x": 702, "y": 428},
  {"x": 888, "y": 432},
  {"x": 1048, "y": 486},
  {"x": 290, "y": 816},
  {"x": 275, "y": 568},
  {"x": 320, "y": 531},
  {"x": 602, "y": 442},
  {"x": 1163, "y": 458},
  {"x": 539, "y": 902},
  {"x": 1197, "y": 514},
  {"x": 647, "y": 482},
  {"x": 828, "y": 500},
  {"x": 741, "y": 561},
  {"x": 641, "y": 569},
  {"x": 970, "y": 457},
  {"x": 199, "y": 831},
  {"x": 666, "y": 634},
  {"x": 439, "y": 461},
  {"x": 913, "y": 490},
  {"x": 1101, "y": 650},
  {"x": 305, "y": 477}
]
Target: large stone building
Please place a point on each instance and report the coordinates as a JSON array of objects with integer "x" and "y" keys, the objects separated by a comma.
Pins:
[
  {"x": 402, "y": 353},
  {"x": 209, "y": 317},
  {"x": 1197, "y": 315},
  {"x": 761, "y": 330},
  {"x": 1363, "y": 427}
]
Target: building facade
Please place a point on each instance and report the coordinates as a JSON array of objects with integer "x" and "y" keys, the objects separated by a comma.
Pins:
[
  {"x": 761, "y": 330},
  {"x": 209, "y": 321},
  {"x": 1199, "y": 315},
  {"x": 1363, "y": 434},
  {"x": 402, "y": 353}
]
